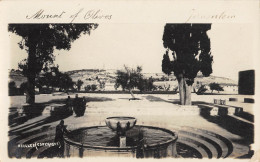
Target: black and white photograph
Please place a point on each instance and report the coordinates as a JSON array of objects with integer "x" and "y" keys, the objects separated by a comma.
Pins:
[{"x": 164, "y": 90}]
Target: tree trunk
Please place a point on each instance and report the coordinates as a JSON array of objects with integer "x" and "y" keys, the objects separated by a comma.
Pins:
[
  {"x": 194, "y": 90},
  {"x": 30, "y": 93},
  {"x": 184, "y": 90},
  {"x": 187, "y": 94},
  {"x": 31, "y": 73},
  {"x": 181, "y": 88},
  {"x": 132, "y": 94}
]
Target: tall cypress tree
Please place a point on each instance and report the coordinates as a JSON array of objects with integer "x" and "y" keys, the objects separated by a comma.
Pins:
[{"x": 190, "y": 47}]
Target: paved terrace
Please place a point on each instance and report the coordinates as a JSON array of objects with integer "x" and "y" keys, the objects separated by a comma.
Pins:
[{"x": 211, "y": 136}]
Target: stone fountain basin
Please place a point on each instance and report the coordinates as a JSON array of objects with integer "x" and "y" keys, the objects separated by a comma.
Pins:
[{"x": 111, "y": 122}]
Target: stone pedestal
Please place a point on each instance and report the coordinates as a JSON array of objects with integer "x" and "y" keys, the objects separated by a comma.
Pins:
[
  {"x": 231, "y": 111},
  {"x": 214, "y": 111},
  {"x": 122, "y": 141}
]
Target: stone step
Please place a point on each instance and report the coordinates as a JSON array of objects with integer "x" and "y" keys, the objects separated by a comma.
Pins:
[
  {"x": 15, "y": 138},
  {"x": 28, "y": 140},
  {"x": 18, "y": 119},
  {"x": 210, "y": 143},
  {"x": 219, "y": 144},
  {"x": 28, "y": 123},
  {"x": 209, "y": 148},
  {"x": 226, "y": 150},
  {"x": 35, "y": 153},
  {"x": 13, "y": 115},
  {"x": 22, "y": 151},
  {"x": 31, "y": 138},
  {"x": 194, "y": 146}
]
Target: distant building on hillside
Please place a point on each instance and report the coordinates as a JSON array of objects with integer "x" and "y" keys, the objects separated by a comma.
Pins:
[
  {"x": 246, "y": 82},
  {"x": 228, "y": 87}
]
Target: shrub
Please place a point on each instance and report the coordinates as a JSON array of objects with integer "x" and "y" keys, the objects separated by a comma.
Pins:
[
  {"x": 216, "y": 87},
  {"x": 93, "y": 87},
  {"x": 202, "y": 89},
  {"x": 88, "y": 88}
]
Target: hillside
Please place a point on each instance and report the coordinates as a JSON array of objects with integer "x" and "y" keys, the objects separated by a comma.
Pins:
[{"x": 93, "y": 76}]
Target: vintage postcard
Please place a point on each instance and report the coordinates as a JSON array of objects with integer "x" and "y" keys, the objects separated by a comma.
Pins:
[{"x": 170, "y": 80}]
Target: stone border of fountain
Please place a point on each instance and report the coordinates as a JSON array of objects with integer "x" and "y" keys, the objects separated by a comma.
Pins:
[
  {"x": 69, "y": 141},
  {"x": 127, "y": 148}
]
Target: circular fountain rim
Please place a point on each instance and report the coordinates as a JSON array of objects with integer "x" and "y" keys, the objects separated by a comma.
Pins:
[
  {"x": 175, "y": 137},
  {"x": 119, "y": 117}
]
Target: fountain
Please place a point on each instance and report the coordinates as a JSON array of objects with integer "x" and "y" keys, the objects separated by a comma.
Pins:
[{"x": 121, "y": 137}]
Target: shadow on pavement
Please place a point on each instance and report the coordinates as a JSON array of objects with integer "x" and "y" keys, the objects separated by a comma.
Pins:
[
  {"x": 36, "y": 110},
  {"x": 234, "y": 126},
  {"x": 156, "y": 99}
]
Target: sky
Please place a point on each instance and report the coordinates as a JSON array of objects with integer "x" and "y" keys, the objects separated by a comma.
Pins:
[{"x": 111, "y": 46}]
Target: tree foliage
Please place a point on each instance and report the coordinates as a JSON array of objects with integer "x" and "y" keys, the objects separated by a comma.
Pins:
[
  {"x": 66, "y": 82},
  {"x": 167, "y": 64},
  {"x": 93, "y": 87},
  {"x": 146, "y": 84},
  {"x": 129, "y": 77},
  {"x": 12, "y": 84},
  {"x": 12, "y": 88},
  {"x": 79, "y": 83},
  {"x": 216, "y": 87},
  {"x": 190, "y": 47},
  {"x": 23, "y": 87},
  {"x": 55, "y": 79},
  {"x": 202, "y": 89}
]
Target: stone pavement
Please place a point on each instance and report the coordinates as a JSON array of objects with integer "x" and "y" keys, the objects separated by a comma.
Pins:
[{"x": 211, "y": 136}]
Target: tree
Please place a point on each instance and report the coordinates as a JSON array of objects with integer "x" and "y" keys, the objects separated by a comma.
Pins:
[
  {"x": 87, "y": 88},
  {"x": 93, "y": 87},
  {"x": 102, "y": 84},
  {"x": 190, "y": 47},
  {"x": 129, "y": 78},
  {"x": 40, "y": 40},
  {"x": 175, "y": 89},
  {"x": 12, "y": 88},
  {"x": 216, "y": 87},
  {"x": 166, "y": 64},
  {"x": 202, "y": 89},
  {"x": 49, "y": 77},
  {"x": 79, "y": 83},
  {"x": 23, "y": 87},
  {"x": 145, "y": 84},
  {"x": 53, "y": 78},
  {"x": 12, "y": 84},
  {"x": 66, "y": 82}
]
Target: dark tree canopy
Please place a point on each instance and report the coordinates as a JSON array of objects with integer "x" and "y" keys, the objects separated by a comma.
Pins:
[
  {"x": 167, "y": 64},
  {"x": 54, "y": 78},
  {"x": 190, "y": 46},
  {"x": 216, "y": 87}
]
